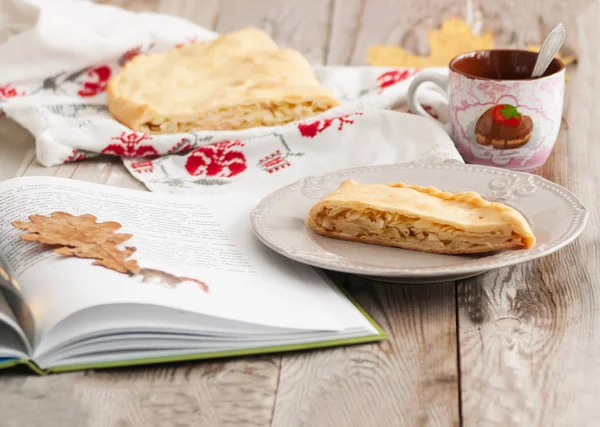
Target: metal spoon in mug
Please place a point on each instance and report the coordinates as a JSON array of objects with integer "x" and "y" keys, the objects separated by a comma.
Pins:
[{"x": 549, "y": 49}]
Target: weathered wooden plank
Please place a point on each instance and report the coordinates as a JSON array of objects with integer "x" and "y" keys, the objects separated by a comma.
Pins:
[
  {"x": 201, "y": 12},
  {"x": 27, "y": 400},
  {"x": 17, "y": 154},
  {"x": 291, "y": 23},
  {"x": 514, "y": 23},
  {"x": 410, "y": 380},
  {"x": 16, "y": 149},
  {"x": 133, "y": 5},
  {"x": 233, "y": 393},
  {"x": 106, "y": 170},
  {"x": 528, "y": 336},
  {"x": 204, "y": 13},
  {"x": 346, "y": 26},
  {"x": 401, "y": 23}
]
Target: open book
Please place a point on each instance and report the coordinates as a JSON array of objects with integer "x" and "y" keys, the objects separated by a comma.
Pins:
[{"x": 206, "y": 286}]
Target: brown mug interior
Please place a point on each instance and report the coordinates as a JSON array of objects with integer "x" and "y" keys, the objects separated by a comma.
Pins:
[{"x": 501, "y": 64}]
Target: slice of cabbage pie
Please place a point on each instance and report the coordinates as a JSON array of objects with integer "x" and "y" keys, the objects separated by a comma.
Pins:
[
  {"x": 420, "y": 219},
  {"x": 239, "y": 80}
]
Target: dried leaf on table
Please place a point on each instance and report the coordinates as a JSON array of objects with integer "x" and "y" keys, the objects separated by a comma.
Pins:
[
  {"x": 453, "y": 38},
  {"x": 83, "y": 237}
]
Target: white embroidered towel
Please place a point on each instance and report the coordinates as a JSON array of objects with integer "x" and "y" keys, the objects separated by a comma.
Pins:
[{"x": 56, "y": 59}]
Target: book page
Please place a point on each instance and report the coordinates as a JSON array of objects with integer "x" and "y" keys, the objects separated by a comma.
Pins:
[
  {"x": 14, "y": 311},
  {"x": 11, "y": 335},
  {"x": 11, "y": 343},
  {"x": 196, "y": 253}
]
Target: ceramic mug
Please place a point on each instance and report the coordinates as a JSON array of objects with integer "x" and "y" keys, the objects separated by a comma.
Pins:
[{"x": 499, "y": 116}]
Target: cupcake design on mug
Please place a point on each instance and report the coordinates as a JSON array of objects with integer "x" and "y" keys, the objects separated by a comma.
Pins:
[
  {"x": 503, "y": 126},
  {"x": 503, "y": 131}
]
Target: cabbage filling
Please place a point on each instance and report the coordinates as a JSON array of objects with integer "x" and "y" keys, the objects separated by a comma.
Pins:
[
  {"x": 242, "y": 117},
  {"x": 395, "y": 227}
]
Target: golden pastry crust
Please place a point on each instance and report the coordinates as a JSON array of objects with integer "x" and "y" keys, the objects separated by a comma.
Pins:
[
  {"x": 237, "y": 81},
  {"x": 419, "y": 218}
]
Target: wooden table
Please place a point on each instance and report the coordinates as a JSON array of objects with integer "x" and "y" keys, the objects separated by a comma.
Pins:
[{"x": 518, "y": 346}]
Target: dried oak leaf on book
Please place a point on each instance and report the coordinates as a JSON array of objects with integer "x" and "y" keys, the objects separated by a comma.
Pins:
[{"x": 83, "y": 237}]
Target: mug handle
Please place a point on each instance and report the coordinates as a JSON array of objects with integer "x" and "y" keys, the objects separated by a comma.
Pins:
[{"x": 422, "y": 77}]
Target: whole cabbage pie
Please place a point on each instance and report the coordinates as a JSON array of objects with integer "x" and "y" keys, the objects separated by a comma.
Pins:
[
  {"x": 419, "y": 218},
  {"x": 237, "y": 81}
]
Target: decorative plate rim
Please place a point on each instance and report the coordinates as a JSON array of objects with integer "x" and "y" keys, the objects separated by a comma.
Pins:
[{"x": 342, "y": 264}]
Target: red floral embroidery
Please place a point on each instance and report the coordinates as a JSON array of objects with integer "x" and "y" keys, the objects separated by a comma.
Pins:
[
  {"x": 145, "y": 166},
  {"x": 190, "y": 40},
  {"x": 129, "y": 146},
  {"x": 310, "y": 130},
  {"x": 98, "y": 81},
  {"x": 222, "y": 160},
  {"x": 390, "y": 78},
  {"x": 274, "y": 162},
  {"x": 129, "y": 55},
  {"x": 75, "y": 156},
  {"x": 183, "y": 146},
  {"x": 8, "y": 91}
]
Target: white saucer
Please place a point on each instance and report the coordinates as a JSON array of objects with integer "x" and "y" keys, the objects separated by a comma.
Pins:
[{"x": 555, "y": 215}]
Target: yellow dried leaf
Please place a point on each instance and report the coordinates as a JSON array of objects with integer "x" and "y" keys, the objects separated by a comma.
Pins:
[
  {"x": 83, "y": 237},
  {"x": 565, "y": 59},
  {"x": 453, "y": 38}
]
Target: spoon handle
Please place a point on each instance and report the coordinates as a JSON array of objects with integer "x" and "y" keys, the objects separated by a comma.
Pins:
[{"x": 549, "y": 49}]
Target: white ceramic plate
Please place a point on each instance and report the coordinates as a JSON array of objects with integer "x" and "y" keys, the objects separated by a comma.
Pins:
[{"x": 555, "y": 215}]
